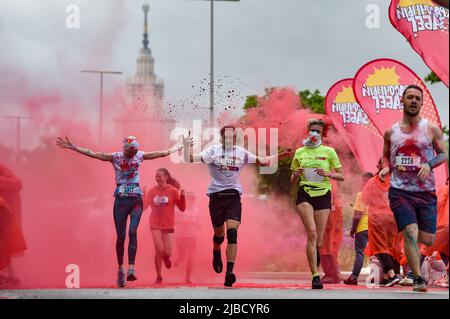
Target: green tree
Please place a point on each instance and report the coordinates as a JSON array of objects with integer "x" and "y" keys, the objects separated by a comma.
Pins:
[
  {"x": 251, "y": 102},
  {"x": 278, "y": 183},
  {"x": 432, "y": 78},
  {"x": 314, "y": 100}
]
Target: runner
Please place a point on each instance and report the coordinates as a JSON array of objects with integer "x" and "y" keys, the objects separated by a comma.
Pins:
[
  {"x": 225, "y": 162},
  {"x": 384, "y": 240},
  {"x": 187, "y": 226},
  {"x": 162, "y": 199},
  {"x": 12, "y": 241},
  {"x": 314, "y": 164},
  {"x": 360, "y": 232},
  {"x": 409, "y": 155},
  {"x": 128, "y": 199}
]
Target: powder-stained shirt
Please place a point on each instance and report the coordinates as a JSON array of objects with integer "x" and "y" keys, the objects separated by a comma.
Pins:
[
  {"x": 225, "y": 166},
  {"x": 127, "y": 171},
  {"x": 162, "y": 202},
  {"x": 409, "y": 150},
  {"x": 311, "y": 159}
]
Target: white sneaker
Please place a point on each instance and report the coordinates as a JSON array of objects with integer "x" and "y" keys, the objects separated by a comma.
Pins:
[
  {"x": 406, "y": 282},
  {"x": 442, "y": 282}
]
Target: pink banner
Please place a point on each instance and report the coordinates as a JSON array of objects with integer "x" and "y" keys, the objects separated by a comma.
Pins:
[
  {"x": 378, "y": 87},
  {"x": 425, "y": 25},
  {"x": 353, "y": 124}
]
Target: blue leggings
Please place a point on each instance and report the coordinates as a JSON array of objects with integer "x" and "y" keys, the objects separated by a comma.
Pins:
[
  {"x": 124, "y": 206},
  {"x": 361, "y": 240}
]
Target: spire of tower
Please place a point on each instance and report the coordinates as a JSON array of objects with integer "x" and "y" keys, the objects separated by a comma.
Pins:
[{"x": 145, "y": 42}]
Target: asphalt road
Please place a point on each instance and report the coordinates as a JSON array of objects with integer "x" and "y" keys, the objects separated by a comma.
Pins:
[{"x": 249, "y": 287}]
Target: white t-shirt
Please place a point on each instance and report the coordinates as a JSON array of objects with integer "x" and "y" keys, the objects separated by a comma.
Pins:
[{"x": 225, "y": 166}]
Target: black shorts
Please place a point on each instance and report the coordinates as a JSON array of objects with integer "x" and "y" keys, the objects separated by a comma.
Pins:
[
  {"x": 318, "y": 203},
  {"x": 225, "y": 205}
]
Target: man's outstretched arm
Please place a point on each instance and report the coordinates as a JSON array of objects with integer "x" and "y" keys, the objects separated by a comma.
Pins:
[
  {"x": 66, "y": 143},
  {"x": 266, "y": 161}
]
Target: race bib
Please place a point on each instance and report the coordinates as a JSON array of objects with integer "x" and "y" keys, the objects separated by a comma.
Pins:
[
  {"x": 407, "y": 161},
  {"x": 128, "y": 190},
  {"x": 312, "y": 176},
  {"x": 229, "y": 165},
  {"x": 160, "y": 200}
]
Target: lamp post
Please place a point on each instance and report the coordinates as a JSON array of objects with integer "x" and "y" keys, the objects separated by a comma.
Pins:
[
  {"x": 100, "y": 119},
  {"x": 211, "y": 73},
  {"x": 18, "y": 120}
]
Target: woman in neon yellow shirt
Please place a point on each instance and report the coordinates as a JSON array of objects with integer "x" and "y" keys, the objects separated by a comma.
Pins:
[{"x": 313, "y": 166}]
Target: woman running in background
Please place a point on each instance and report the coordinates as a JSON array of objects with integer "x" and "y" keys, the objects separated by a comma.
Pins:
[
  {"x": 315, "y": 164},
  {"x": 187, "y": 226},
  {"x": 162, "y": 199},
  {"x": 128, "y": 200}
]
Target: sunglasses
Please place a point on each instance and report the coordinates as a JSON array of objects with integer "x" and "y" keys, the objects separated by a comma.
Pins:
[{"x": 317, "y": 131}]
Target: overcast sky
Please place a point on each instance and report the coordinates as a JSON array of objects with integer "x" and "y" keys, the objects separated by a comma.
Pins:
[{"x": 259, "y": 43}]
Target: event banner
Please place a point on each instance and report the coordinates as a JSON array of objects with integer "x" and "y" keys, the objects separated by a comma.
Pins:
[
  {"x": 378, "y": 87},
  {"x": 425, "y": 25},
  {"x": 353, "y": 124}
]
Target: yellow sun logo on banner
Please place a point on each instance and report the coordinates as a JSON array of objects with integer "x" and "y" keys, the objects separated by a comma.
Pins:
[
  {"x": 383, "y": 76},
  {"x": 407, "y": 3},
  {"x": 345, "y": 96}
]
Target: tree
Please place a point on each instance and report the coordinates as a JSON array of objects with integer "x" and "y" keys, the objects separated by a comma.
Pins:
[
  {"x": 315, "y": 101},
  {"x": 251, "y": 102},
  {"x": 277, "y": 183},
  {"x": 432, "y": 78}
]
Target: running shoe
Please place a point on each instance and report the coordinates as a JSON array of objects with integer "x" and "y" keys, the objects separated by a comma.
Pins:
[
  {"x": 230, "y": 279},
  {"x": 351, "y": 281},
  {"x": 158, "y": 280},
  {"x": 121, "y": 282},
  {"x": 317, "y": 283},
  {"x": 167, "y": 261},
  {"x": 394, "y": 280},
  {"x": 406, "y": 281},
  {"x": 131, "y": 275},
  {"x": 442, "y": 282},
  {"x": 217, "y": 261},
  {"x": 419, "y": 284}
]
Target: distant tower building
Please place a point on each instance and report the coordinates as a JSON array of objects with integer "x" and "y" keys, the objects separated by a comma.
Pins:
[
  {"x": 145, "y": 91},
  {"x": 145, "y": 117}
]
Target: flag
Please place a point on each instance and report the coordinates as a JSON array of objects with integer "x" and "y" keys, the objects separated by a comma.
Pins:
[
  {"x": 425, "y": 25},
  {"x": 353, "y": 124},
  {"x": 378, "y": 87}
]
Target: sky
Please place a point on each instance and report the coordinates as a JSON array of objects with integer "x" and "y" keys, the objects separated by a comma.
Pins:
[{"x": 258, "y": 44}]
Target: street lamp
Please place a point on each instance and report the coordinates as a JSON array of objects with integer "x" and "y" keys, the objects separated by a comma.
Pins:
[
  {"x": 211, "y": 74},
  {"x": 18, "y": 120},
  {"x": 100, "y": 119}
]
